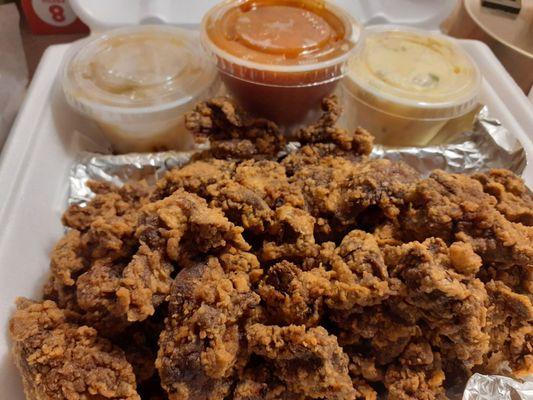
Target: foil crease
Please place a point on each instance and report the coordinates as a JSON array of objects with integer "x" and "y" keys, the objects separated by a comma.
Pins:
[
  {"x": 488, "y": 145},
  {"x": 119, "y": 169},
  {"x": 492, "y": 387}
]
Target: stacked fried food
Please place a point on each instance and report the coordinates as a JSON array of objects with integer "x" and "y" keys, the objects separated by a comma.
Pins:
[{"x": 255, "y": 273}]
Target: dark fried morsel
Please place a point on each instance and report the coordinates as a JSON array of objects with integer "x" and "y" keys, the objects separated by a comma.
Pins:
[
  {"x": 513, "y": 197},
  {"x": 300, "y": 272},
  {"x": 325, "y": 130},
  {"x": 60, "y": 359},
  {"x": 309, "y": 362},
  {"x": 200, "y": 347},
  {"x": 232, "y": 133}
]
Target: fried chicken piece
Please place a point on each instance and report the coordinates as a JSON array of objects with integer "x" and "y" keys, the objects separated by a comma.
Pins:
[
  {"x": 113, "y": 294},
  {"x": 144, "y": 284},
  {"x": 187, "y": 227},
  {"x": 514, "y": 199},
  {"x": 235, "y": 260},
  {"x": 292, "y": 234},
  {"x": 380, "y": 184},
  {"x": 242, "y": 206},
  {"x": 269, "y": 180},
  {"x": 110, "y": 201},
  {"x": 325, "y": 130},
  {"x": 310, "y": 154},
  {"x": 96, "y": 296},
  {"x": 255, "y": 190},
  {"x": 293, "y": 296},
  {"x": 232, "y": 133},
  {"x": 454, "y": 207},
  {"x": 308, "y": 361},
  {"x": 352, "y": 275},
  {"x": 452, "y": 305},
  {"x": 423, "y": 381},
  {"x": 194, "y": 177},
  {"x": 59, "y": 359},
  {"x": 380, "y": 332},
  {"x": 201, "y": 345},
  {"x": 360, "y": 274},
  {"x": 110, "y": 295},
  {"x": 66, "y": 260},
  {"x": 322, "y": 184},
  {"x": 341, "y": 193},
  {"x": 511, "y": 329}
]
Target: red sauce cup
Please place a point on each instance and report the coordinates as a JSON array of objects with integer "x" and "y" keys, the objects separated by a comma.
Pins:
[{"x": 279, "y": 58}]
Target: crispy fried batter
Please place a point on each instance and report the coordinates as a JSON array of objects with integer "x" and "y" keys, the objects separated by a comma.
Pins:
[
  {"x": 514, "y": 199},
  {"x": 308, "y": 361},
  {"x": 293, "y": 296},
  {"x": 452, "y": 305},
  {"x": 325, "y": 130},
  {"x": 454, "y": 207},
  {"x": 200, "y": 347},
  {"x": 110, "y": 201},
  {"x": 60, "y": 359},
  {"x": 265, "y": 271},
  {"x": 232, "y": 133},
  {"x": 510, "y": 319}
]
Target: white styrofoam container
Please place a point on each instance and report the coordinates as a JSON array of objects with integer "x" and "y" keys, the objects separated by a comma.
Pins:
[{"x": 42, "y": 147}]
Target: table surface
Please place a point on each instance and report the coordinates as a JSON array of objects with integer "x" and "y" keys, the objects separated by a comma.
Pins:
[{"x": 35, "y": 45}]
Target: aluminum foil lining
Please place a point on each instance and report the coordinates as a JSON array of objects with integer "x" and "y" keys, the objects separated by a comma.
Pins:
[
  {"x": 487, "y": 145},
  {"x": 119, "y": 169},
  {"x": 492, "y": 387}
]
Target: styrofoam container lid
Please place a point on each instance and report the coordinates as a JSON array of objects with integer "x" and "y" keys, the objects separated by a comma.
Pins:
[
  {"x": 101, "y": 15},
  {"x": 136, "y": 71},
  {"x": 411, "y": 72}
]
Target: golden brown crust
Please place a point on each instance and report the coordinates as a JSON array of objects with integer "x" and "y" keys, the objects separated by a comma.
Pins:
[
  {"x": 316, "y": 274},
  {"x": 59, "y": 359}
]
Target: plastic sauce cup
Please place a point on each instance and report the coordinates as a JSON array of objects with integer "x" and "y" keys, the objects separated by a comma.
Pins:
[
  {"x": 138, "y": 82},
  {"x": 279, "y": 58},
  {"x": 404, "y": 85}
]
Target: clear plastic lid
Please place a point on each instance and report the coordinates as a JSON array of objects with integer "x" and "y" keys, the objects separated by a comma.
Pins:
[
  {"x": 413, "y": 73},
  {"x": 282, "y": 42},
  {"x": 137, "y": 70}
]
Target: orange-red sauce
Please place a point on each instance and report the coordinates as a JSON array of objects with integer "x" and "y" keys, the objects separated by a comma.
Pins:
[
  {"x": 282, "y": 32},
  {"x": 279, "y": 58}
]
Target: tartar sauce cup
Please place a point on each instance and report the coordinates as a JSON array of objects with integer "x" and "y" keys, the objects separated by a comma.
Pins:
[
  {"x": 404, "y": 85},
  {"x": 137, "y": 82},
  {"x": 279, "y": 58}
]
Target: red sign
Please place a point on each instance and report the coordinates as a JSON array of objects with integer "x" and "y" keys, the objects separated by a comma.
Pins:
[{"x": 52, "y": 16}]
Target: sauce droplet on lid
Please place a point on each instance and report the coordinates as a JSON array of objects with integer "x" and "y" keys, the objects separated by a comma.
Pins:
[{"x": 282, "y": 29}]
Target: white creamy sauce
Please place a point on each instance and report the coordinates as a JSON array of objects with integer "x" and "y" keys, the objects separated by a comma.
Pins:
[{"x": 413, "y": 66}]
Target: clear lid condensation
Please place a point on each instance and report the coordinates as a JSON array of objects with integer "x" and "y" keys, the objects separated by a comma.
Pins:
[
  {"x": 413, "y": 73},
  {"x": 280, "y": 42},
  {"x": 136, "y": 70}
]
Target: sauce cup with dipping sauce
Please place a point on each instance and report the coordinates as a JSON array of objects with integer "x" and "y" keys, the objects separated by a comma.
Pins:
[
  {"x": 136, "y": 83},
  {"x": 279, "y": 58},
  {"x": 404, "y": 85}
]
